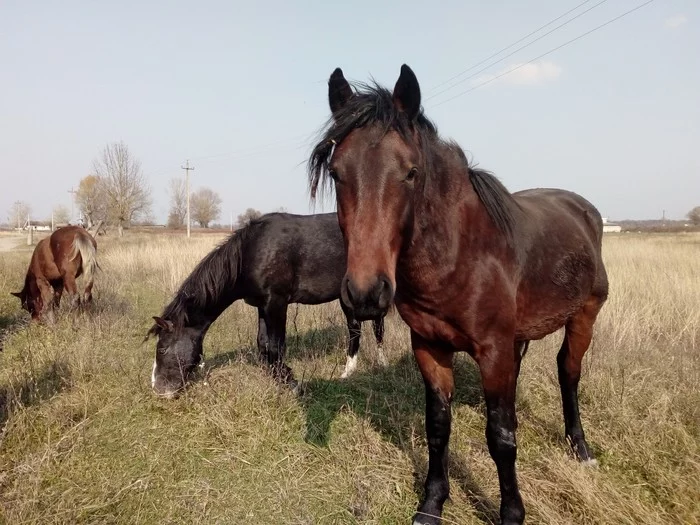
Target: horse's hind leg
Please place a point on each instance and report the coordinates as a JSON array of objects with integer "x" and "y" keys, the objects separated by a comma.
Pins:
[
  {"x": 87, "y": 292},
  {"x": 579, "y": 331},
  {"x": 378, "y": 325},
  {"x": 354, "y": 332}
]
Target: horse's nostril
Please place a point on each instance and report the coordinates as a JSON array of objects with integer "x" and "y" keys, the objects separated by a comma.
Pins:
[
  {"x": 384, "y": 292},
  {"x": 351, "y": 293}
]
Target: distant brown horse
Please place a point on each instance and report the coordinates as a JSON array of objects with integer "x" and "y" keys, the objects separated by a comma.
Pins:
[
  {"x": 56, "y": 263},
  {"x": 470, "y": 266}
]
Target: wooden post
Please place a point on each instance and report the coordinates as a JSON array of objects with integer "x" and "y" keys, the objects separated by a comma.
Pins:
[{"x": 30, "y": 235}]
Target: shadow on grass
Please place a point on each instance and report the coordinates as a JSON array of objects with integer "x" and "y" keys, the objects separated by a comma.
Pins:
[
  {"x": 10, "y": 324},
  {"x": 311, "y": 344},
  {"x": 316, "y": 342},
  {"x": 392, "y": 400},
  {"x": 30, "y": 390}
]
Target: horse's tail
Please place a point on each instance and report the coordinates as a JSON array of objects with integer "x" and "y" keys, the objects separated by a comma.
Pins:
[{"x": 83, "y": 244}]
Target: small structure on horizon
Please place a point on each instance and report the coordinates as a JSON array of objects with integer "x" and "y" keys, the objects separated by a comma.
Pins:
[{"x": 610, "y": 227}]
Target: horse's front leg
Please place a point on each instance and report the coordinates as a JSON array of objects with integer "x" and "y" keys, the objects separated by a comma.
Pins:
[
  {"x": 71, "y": 287},
  {"x": 499, "y": 363},
  {"x": 57, "y": 293},
  {"x": 45, "y": 310},
  {"x": 276, "y": 323},
  {"x": 435, "y": 364},
  {"x": 378, "y": 325},
  {"x": 354, "y": 334}
]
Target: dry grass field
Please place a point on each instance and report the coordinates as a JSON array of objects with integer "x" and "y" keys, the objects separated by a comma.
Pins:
[{"x": 83, "y": 439}]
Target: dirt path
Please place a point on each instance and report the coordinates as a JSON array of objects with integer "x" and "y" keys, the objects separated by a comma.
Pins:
[{"x": 8, "y": 244}]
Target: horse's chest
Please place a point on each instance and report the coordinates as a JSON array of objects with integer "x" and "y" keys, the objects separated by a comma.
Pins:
[{"x": 431, "y": 326}]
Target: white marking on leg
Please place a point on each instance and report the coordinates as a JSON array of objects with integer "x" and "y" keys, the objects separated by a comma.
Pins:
[
  {"x": 381, "y": 356},
  {"x": 350, "y": 366},
  {"x": 590, "y": 463},
  {"x": 153, "y": 375}
]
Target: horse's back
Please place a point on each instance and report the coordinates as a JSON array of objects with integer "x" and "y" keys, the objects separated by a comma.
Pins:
[
  {"x": 62, "y": 243},
  {"x": 299, "y": 258},
  {"x": 561, "y": 266}
]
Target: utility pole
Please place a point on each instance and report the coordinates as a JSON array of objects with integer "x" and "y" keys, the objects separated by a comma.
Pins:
[
  {"x": 231, "y": 221},
  {"x": 18, "y": 204},
  {"x": 187, "y": 168},
  {"x": 72, "y": 198}
]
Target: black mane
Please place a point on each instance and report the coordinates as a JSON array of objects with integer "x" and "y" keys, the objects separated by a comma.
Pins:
[
  {"x": 208, "y": 285},
  {"x": 371, "y": 104},
  {"x": 374, "y": 104}
]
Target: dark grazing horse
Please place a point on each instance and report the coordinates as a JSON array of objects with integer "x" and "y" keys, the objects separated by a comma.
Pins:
[
  {"x": 470, "y": 266},
  {"x": 276, "y": 260},
  {"x": 56, "y": 263}
]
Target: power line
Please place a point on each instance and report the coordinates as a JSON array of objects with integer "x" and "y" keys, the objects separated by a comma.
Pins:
[
  {"x": 263, "y": 148},
  {"x": 517, "y": 50},
  {"x": 545, "y": 54},
  {"x": 507, "y": 47}
]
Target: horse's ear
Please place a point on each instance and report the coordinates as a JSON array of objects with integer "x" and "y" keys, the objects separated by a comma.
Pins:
[
  {"x": 164, "y": 324},
  {"x": 16, "y": 294},
  {"x": 407, "y": 93},
  {"x": 339, "y": 90}
]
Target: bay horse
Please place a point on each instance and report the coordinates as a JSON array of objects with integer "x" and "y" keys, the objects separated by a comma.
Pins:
[
  {"x": 57, "y": 261},
  {"x": 276, "y": 260},
  {"x": 470, "y": 266}
]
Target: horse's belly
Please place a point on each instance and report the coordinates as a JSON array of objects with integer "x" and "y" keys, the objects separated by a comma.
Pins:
[{"x": 539, "y": 319}]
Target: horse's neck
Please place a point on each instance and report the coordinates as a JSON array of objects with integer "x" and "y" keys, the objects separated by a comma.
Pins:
[
  {"x": 199, "y": 316},
  {"x": 29, "y": 279},
  {"x": 449, "y": 221}
]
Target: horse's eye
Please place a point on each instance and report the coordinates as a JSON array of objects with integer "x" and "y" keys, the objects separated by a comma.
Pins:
[
  {"x": 333, "y": 174},
  {"x": 411, "y": 174}
]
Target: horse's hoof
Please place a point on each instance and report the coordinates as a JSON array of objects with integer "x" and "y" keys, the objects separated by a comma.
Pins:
[
  {"x": 297, "y": 388},
  {"x": 350, "y": 367},
  {"x": 381, "y": 356},
  {"x": 425, "y": 519}
]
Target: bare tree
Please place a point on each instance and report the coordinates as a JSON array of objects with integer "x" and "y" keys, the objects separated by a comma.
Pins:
[
  {"x": 205, "y": 206},
  {"x": 19, "y": 213},
  {"x": 281, "y": 209},
  {"x": 178, "y": 204},
  {"x": 694, "y": 215},
  {"x": 244, "y": 218},
  {"x": 61, "y": 214},
  {"x": 126, "y": 191},
  {"x": 91, "y": 199}
]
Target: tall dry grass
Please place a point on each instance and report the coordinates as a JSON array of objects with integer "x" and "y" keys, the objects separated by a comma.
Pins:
[{"x": 83, "y": 440}]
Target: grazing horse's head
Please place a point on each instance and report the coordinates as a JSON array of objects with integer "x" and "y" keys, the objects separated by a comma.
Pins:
[
  {"x": 31, "y": 302},
  {"x": 372, "y": 153},
  {"x": 178, "y": 352}
]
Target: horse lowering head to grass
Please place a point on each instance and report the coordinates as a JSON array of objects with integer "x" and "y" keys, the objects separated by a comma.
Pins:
[
  {"x": 470, "y": 266},
  {"x": 56, "y": 263},
  {"x": 276, "y": 260}
]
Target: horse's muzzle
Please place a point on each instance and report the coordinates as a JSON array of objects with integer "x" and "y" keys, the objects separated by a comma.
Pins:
[{"x": 369, "y": 302}]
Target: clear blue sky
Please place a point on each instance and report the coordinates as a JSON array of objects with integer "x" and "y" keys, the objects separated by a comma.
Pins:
[{"x": 614, "y": 116}]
